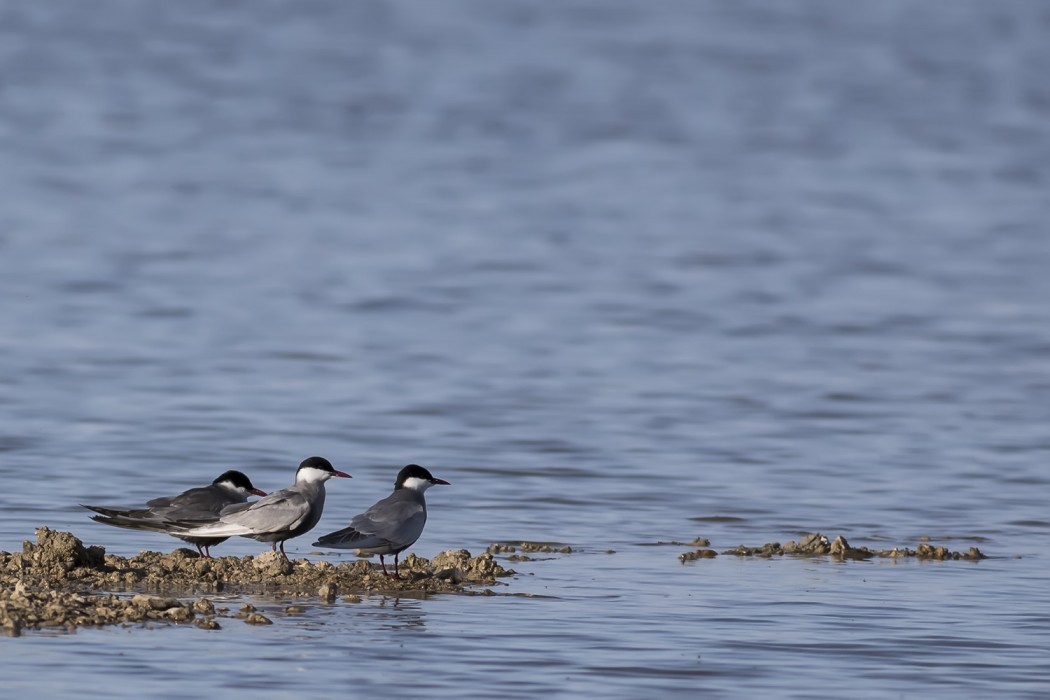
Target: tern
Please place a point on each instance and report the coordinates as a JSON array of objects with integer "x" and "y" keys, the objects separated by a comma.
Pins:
[
  {"x": 200, "y": 504},
  {"x": 278, "y": 517},
  {"x": 393, "y": 524}
]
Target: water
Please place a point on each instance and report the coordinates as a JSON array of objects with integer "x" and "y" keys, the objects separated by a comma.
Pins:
[{"x": 623, "y": 273}]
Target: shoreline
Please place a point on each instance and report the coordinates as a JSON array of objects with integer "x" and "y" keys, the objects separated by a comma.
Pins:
[{"x": 58, "y": 582}]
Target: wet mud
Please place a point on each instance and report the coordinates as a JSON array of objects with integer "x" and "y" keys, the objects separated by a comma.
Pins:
[
  {"x": 519, "y": 550},
  {"x": 818, "y": 545},
  {"x": 58, "y": 582}
]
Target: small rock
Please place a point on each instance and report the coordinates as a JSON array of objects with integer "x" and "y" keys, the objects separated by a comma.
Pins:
[
  {"x": 155, "y": 602},
  {"x": 204, "y": 606},
  {"x": 179, "y": 614},
  {"x": 451, "y": 559},
  {"x": 814, "y": 543},
  {"x": 543, "y": 547},
  {"x": 767, "y": 550},
  {"x": 697, "y": 554},
  {"x": 272, "y": 564},
  {"x": 928, "y": 551},
  {"x": 841, "y": 549},
  {"x": 257, "y": 619},
  {"x": 450, "y": 574}
]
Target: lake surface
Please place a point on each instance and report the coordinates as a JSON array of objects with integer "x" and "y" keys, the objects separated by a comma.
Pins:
[{"x": 624, "y": 273}]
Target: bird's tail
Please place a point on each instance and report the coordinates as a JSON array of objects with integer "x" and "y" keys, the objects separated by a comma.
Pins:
[
  {"x": 347, "y": 538},
  {"x": 129, "y": 519}
]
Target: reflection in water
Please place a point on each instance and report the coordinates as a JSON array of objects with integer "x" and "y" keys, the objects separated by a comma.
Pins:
[{"x": 400, "y": 613}]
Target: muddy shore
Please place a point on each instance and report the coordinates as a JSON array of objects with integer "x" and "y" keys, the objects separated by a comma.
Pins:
[
  {"x": 58, "y": 582},
  {"x": 818, "y": 545}
]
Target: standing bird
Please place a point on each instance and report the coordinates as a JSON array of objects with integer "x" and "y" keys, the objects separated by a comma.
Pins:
[
  {"x": 199, "y": 504},
  {"x": 393, "y": 524},
  {"x": 280, "y": 516}
]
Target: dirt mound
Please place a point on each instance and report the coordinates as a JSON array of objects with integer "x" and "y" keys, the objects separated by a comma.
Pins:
[{"x": 54, "y": 582}]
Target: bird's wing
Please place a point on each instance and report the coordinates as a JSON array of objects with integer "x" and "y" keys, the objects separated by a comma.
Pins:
[
  {"x": 281, "y": 510},
  {"x": 206, "y": 499},
  {"x": 162, "y": 502},
  {"x": 132, "y": 519},
  {"x": 394, "y": 521},
  {"x": 199, "y": 506}
]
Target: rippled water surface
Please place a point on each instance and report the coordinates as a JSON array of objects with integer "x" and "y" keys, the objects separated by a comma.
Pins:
[{"x": 624, "y": 273}]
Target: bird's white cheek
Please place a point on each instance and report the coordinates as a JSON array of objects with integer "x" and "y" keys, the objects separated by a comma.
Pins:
[
  {"x": 235, "y": 491},
  {"x": 416, "y": 484},
  {"x": 311, "y": 475}
]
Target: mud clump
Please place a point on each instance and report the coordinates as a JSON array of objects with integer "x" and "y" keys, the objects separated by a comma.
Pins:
[
  {"x": 841, "y": 549},
  {"x": 534, "y": 547},
  {"x": 770, "y": 549},
  {"x": 697, "y": 554},
  {"x": 458, "y": 565},
  {"x": 54, "y": 582},
  {"x": 818, "y": 545},
  {"x": 60, "y": 552}
]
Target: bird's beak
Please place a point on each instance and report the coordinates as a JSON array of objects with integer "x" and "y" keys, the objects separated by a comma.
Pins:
[
  {"x": 257, "y": 492},
  {"x": 440, "y": 481},
  {"x": 336, "y": 472}
]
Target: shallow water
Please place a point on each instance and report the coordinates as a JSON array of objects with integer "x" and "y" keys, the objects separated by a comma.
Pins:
[{"x": 622, "y": 273}]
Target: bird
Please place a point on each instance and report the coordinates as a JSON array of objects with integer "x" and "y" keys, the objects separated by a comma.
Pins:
[
  {"x": 200, "y": 504},
  {"x": 393, "y": 524},
  {"x": 278, "y": 517}
]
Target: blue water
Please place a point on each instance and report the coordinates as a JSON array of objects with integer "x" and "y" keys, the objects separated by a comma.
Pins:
[{"x": 623, "y": 273}]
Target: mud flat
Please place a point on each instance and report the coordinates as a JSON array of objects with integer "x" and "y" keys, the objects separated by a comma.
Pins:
[
  {"x": 816, "y": 544},
  {"x": 57, "y": 582}
]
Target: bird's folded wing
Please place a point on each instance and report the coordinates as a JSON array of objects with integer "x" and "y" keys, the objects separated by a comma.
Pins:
[
  {"x": 279, "y": 511},
  {"x": 206, "y": 498},
  {"x": 162, "y": 502},
  {"x": 386, "y": 521},
  {"x": 389, "y": 523}
]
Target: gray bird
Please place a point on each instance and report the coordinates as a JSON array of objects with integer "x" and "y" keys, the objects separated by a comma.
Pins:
[
  {"x": 200, "y": 504},
  {"x": 278, "y": 517},
  {"x": 393, "y": 524}
]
